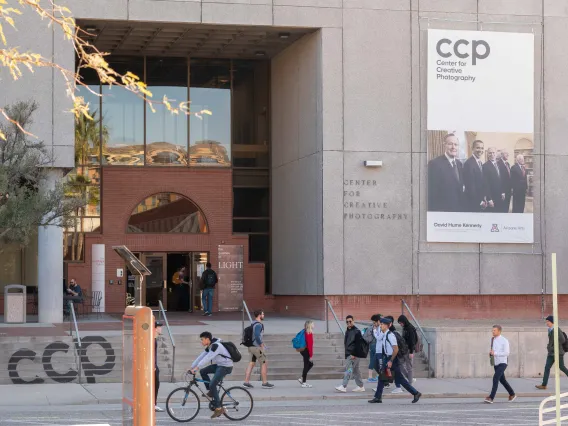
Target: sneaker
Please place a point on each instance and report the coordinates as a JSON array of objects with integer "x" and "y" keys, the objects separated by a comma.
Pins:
[
  {"x": 541, "y": 387},
  {"x": 306, "y": 385},
  {"x": 488, "y": 400},
  {"x": 375, "y": 401},
  {"x": 359, "y": 389},
  {"x": 341, "y": 388},
  {"x": 204, "y": 314},
  {"x": 267, "y": 385},
  {"x": 372, "y": 380},
  {"x": 300, "y": 381},
  {"x": 218, "y": 412},
  {"x": 396, "y": 390},
  {"x": 247, "y": 385},
  {"x": 374, "y": 389},
  {"x": 209, "y": 314},
  {"x": 158, "y": 409},
  {"x": 416, "y": 398},
  {"x": 413, "y": 380},
  {"x": 209, "y": 394},
  {"x": 512, "y": 398}
]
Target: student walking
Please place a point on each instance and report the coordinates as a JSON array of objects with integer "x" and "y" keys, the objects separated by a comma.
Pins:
[
  {"x": 387, "y": 358},
  {"x": 307, "y": 353},
  {"x": 410, "y": 336},
  {"x": 258, "y": 352},
  {"x": 157, "y": 333},
  {"x": 208, "y": 281},
  {"x": 550, "y": 348},
  {"x": 402, "y": 355},
  {"x": 499, "y": 355},
  {"x": 352, "y": 339},
  {"x": 369, "y": 337}
]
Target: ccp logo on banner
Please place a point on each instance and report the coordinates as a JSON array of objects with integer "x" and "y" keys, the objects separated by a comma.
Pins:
[
  {"x": 90, "y": 370},
  {"x": 479, "y": 49}
]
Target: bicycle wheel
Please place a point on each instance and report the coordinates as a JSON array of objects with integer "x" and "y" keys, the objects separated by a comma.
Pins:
[
  {"x": 237, "y": 402},
  {"x": 182, "y": 404}
]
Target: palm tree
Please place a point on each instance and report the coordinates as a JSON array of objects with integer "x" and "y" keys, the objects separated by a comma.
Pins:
[{"x": 88, "y": 139}]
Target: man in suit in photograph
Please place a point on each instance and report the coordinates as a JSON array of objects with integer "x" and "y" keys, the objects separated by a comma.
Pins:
[
  {"x": 473, "y": 180},
  {"x": 505, "y": 171},
  {"x": 493, "y": 185},
  {"x": 519, "y": 183},
  {"x": 445, "y": 179}
]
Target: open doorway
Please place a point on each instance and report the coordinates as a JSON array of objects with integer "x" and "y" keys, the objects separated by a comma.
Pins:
[{"x": 179, "y": 284}]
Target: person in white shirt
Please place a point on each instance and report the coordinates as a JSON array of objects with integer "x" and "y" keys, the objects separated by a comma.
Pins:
[
  {"x": 500, "y": 353},
  {"x": 216, "y": 360},
  {"x": 387, "y": 357}
]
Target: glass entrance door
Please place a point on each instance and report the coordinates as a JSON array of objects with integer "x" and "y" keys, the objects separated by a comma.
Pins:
[{"x": 156, "y": 283}]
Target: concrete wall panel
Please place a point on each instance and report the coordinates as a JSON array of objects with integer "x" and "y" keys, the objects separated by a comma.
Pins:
[
  {"x": 511, "y": 273},
  {"x": 377, "y": 80},
  {"x": 378, "y": 237},
  {"x": 555, "y": 8},
  {"x": 97, "y": 9},
  {"x": 164, "y": 11},
  {"x": 377, "y": 4},
  {"x": 311, "y": 17},
  {"x": 448, "y": 6},
  {"x": 511, "y": 7},
  {"x": 448, "y": 272},
  {"x": 237, "y": 14},
  {"x": 332, "y": 88}
]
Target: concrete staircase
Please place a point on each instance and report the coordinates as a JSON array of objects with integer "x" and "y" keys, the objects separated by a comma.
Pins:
[{"x": 56, "y": 360}]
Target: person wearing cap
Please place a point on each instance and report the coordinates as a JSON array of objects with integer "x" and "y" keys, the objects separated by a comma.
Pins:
[
  {"x": 550, "y": 349},
  {"x": 157, "y": 333},
  {"x": 387, "y": 357}
]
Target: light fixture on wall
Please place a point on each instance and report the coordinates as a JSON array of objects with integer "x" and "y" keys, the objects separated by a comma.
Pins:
[
  {"x": 373, "y": 163},
  {"x": 259, "y": 53},
  {"x": 284, "y": 36}
]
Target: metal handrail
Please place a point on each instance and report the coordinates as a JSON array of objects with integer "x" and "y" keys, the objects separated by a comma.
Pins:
[
  {"x": 78, "y": 346},
  {"x": 429, "y": 360},
  {"x": 245, "y": 308},
  {"x": 542, "y": 411},
  {"x": 163, "y": 312},
  {"x": 328, "y": 306}
]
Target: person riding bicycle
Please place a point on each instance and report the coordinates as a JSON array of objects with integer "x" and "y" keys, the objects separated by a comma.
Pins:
[{"x": 216, "y": 360}]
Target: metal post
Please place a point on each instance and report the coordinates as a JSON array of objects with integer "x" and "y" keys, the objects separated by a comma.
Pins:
[
  {"x": 243, "y": 311},
  {"x": 556, "y": 349},
  {"x": 429, "y": 363},
  {"x": 326, "y": 316},
  {"x": 402, "y": 306}
]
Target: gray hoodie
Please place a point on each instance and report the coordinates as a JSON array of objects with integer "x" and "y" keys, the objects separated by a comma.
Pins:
[{"x": 216, "y": 354}]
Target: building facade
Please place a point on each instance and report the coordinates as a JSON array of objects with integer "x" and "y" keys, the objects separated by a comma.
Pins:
[{"x": 307, "y": 98}]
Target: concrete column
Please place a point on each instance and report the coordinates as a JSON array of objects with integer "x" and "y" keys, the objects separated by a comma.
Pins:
[
  {"x": 98, "y": 271},
  {"x": 50, "y": 265}
]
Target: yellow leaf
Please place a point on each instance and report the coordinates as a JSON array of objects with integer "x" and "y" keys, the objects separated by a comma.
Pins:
[
  {"x": 2, "y": 135},
  {"x": 10, "y": 21},
  {"x": 206, "y": 111},
  {"x": 2, "y": 35}
]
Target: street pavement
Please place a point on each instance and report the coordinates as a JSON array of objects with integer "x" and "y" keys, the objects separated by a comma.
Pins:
[
  {"x": 445, "y": 402},
  {"x": 428, "y": 412}
]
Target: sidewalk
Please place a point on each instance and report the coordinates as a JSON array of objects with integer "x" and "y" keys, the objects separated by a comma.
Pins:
[{"x": 285, "y": 390}]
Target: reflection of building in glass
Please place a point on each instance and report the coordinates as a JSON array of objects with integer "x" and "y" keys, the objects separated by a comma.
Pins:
[
  {"x": 167, "y": 213},
  {"x": 208, "y": 152},
  {"x": 125, "y": 155},
  {"x": 165, "y": 153}
]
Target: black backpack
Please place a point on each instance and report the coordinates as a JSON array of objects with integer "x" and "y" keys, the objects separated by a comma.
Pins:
[
  {"x": 233, "y": 351},
  {"x": 210, "y": 278},
  {"x": 565, "y": 344},
  {"x": 248, "y": 335},
  {"x": 400, "y": 342},
  {"x": 361, "y": 347}
]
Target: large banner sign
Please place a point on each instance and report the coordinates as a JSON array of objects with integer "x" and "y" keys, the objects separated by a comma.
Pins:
[
  {"x": 231, "y": 277},
  {"x": 480, "y": 136}
]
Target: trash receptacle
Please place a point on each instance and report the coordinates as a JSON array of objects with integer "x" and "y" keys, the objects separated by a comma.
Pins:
[{"x": 15, "y": 304}]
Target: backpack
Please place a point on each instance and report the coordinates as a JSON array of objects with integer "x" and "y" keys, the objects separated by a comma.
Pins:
[
  {"x": 361, "y": 347},
  {"x": 299, "y": 342},
  {"x": 234, "y": 353},
  {"x": 565, "y": 344},
  {"x": 248, "y": 335},
  {"x": 210, "y": 279},
  {"x": 400, "y": 342}
]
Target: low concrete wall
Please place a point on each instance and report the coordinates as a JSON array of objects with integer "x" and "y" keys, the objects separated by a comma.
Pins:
[{"x": 463, "y": 352}]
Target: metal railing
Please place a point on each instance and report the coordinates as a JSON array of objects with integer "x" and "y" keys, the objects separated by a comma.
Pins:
[
  {"x": 78, "y": 345},
  {"x": 328, "y": 307},
  {"x": 558, "y": 419},
  {"x": 424, "y": 338},
  {"x": 163, "y": 312},
  {"x": 245, "y": 308}
]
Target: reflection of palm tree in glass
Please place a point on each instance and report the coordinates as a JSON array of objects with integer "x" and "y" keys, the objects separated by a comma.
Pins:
[
  {"x": 88, "y": 140},
  {"x": 79, "y": 187}
]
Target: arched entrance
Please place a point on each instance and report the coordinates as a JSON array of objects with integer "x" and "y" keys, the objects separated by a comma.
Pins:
[{"x": 176, "y": 274}]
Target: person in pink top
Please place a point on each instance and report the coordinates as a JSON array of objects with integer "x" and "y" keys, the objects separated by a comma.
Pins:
[{"x": 307, "y": 353}]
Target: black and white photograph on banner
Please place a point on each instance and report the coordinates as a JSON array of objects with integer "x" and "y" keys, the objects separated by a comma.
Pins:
[{"x": 480, "y": 137}]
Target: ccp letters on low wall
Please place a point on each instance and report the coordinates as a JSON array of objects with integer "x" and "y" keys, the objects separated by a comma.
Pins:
[{"x": 90, "y": 370}]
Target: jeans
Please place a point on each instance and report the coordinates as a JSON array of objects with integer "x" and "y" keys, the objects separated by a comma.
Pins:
[
  {"x": 219, "y": 374},
  {"x": 156, "y": 384},
  {"x": 499, "y": 376},
  {"x": 398, "y": 377},
  {"x": 352, "y": 370},
  {"x": 207, "y": 299},
  {"x": 307, "y": 364},
  {"x": 404, "y": 369},
  {"x": 548, "y": 366}
]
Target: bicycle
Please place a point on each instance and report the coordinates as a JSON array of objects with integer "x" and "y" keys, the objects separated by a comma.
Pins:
[{"x": 234, "y": 400}]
